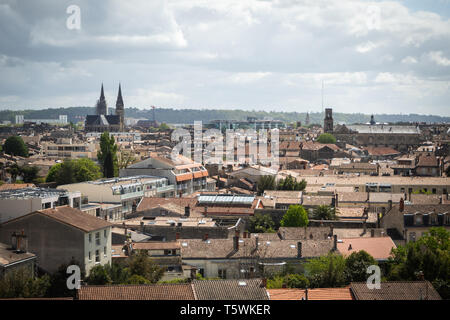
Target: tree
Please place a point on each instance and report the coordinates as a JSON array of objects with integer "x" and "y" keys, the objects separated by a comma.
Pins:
[
  {"x": 261, "y": 223},
  {"x": 117, "y": 273},
  {"x": 73, "y": 171},
  {"x": 107, "y": 156},
  {"x": 324, "y": 212},
  {"x": 137, "y": 279},
  {"x": 326, "y": 271},
  {"x": 266, "y": 183},
  {"x": 20, "y": 283},
  {"x": 142, "y": 265},
  {"x": 290, "y": 183},
  {"x": 29, "y": 174},
  {"x": 295, "y": 216},
  {"x": 326, "y": 138},
  {"x": 58, "y": 281},
  {"x": 125, "y": 159},
  {"x": 296, "y": 281},
  {"x": 357, "y": 264},
  {"x": 98, "y": 275},
  {"x": 15, "y": 146},
  {"x": 429, "y": 255},
  {"x": 14, "y": 171}
]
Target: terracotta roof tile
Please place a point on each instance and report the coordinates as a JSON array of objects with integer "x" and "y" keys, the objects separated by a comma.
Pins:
[
  {"x": 396, "y": 290},
  {"x": 137, "y": 292}
]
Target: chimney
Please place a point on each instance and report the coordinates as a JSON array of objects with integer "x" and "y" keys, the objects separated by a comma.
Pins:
[
  {"x": 205, "y": 237},
  {"x": 336, "y": 196},
  {"x": 187, "y": 211},
  {"x": 372, "y": 233},
  {"x": 335, "y": 242},
  {"x": 306, "y": 293},
  {"x": 264, "y": 282},
  {"x": 299, "y": 249},
  {"x": 389, "y": 205},
  {"x": 401, "y": 205},
  {"x": 14, "y": 241},
  {"x": 125, "y": 231},
  {"x": 177, "y": 236},
  {"x": 350, "y": 247},
  {"x": 236, "y": 242},
  {"x": 142, "y": 226}
]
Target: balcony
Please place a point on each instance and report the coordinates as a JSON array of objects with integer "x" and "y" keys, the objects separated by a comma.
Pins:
[{"x": 131, "y": 195}]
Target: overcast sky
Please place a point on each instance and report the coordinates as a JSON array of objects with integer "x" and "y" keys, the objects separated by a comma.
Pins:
[{"x": 372, "y": 56}]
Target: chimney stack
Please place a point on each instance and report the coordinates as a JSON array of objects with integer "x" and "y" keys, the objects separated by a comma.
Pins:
[
  {"x": 390, "y": 205},
  {"x": 299, "y": 249},
  {"x": 236, "y": 241},
  {"x": 177, "y": 236},
  {"x": 205, "y": 237},
  {"x": 264, "y": 282},
  {"x": 401, "y": 205},
  {"x": 372, "y": 233}
]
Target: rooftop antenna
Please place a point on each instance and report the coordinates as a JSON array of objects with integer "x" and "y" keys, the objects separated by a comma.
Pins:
[{"x": 322, "y": 96}]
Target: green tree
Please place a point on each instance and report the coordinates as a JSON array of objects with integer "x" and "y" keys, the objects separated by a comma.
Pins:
[
  {"x": 118, "y": 273},
  {"x": 15, "y": 146},
  {"x": 429, "y": 255},
  {"x": 295, "y": 216},
  {"x": 296, "y": 281},
  {"x": 261, "y": 223},
  {"x": 324, "y": 212},
  {"x": 266, "y": 183},
  {"x": 326, "y": 271},
  {"x": 142, "y": 265},
  {"x": 58, "y": 281},
  {"x": 72, "y": 171},
  {"x": 20, "y": 283},
  {"x": 14, "y": 171},
  {"x": 290, "y": 183},
  {"x": 98, "y": 275},
  {"x": 107, "y": 156},
  {"x": 326, "y": 138},
  {"x": 137, "y": 279},
  {"x": 357, "y": 264},
  {"x": 29, "y": 173}
]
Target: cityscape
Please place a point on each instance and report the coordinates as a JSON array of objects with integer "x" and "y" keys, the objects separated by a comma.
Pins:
[{"x": 120, "y": 196}]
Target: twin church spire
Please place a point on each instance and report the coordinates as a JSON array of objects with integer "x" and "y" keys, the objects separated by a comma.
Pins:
[{"x": 102, "y": 108}]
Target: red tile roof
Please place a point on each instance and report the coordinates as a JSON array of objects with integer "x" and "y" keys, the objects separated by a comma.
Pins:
[
  {"x": 313, "y": 294},
  {"x": 377, "y": 247}
]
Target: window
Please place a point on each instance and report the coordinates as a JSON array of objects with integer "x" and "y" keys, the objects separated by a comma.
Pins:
[
  {"x": 105, "y": 234},
  {"x": 97, "y": 255},
  {"x": 97, "y": 238},
  {"x": 90, "y": 237},
  {"x": 412, "y": 236},
  {"x": 222, "y": 273},
  {"x": 104, "y": 251},
  {"x": 434, "y": 191},
  {"x": 202, "y": 272},
  {"x": 90, "y": 258}
]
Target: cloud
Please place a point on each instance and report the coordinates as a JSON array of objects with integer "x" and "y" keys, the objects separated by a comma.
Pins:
[
  {"x": 227, "y": 53},
  {"x": 438, "y": 57}
]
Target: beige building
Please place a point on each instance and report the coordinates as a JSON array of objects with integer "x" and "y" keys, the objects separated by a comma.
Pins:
[{"x": 67, "y": 148}]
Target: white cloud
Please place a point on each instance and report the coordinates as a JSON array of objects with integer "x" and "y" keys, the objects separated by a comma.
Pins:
[{"x": 438, "y": 58}]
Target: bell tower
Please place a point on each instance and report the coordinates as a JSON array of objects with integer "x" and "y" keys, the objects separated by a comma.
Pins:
[
  {"x": 120, "y": 111},
  {"x": 328, "y": 121}
]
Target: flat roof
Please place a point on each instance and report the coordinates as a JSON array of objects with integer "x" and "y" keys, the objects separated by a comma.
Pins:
[
  {"x": 30, "y": 193},
  {"x": 362, "y": 180}
]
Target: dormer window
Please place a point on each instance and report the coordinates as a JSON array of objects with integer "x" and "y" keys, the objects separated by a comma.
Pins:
[{"x": 418, "y": 219}]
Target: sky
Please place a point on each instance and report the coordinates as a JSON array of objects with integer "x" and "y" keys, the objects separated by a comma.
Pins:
[{"x": 371, "y": 56}]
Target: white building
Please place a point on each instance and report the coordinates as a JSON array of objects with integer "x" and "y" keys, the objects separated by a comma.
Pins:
[
  {"x": 128, "y": 192},
  {"x": 19, "y": 202}
]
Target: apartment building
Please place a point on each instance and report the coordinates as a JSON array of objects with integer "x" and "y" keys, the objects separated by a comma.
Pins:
[
  {"x": 15, "y": 203},
  {"x": 67, "y": 148},
  {"x": 127, "y": 191},
  {"x": 186, "y": 175}
]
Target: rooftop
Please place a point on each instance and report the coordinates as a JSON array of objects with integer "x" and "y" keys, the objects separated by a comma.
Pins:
[
  {"x": 9, "y": 256},
  {"x": 379, "y": 248},
  {"x": 31, "y": 193},
  {"x": 313, "y": 294},
  {"x": 396, "y": 290}
]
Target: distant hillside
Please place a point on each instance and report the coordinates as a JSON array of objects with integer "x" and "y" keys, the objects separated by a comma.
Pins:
[{"x": 76, "y": 114}]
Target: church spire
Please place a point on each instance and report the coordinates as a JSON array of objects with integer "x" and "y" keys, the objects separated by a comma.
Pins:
[
  {"x": 102, "y": 94},
  {"x": 119, "y": 102}
]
